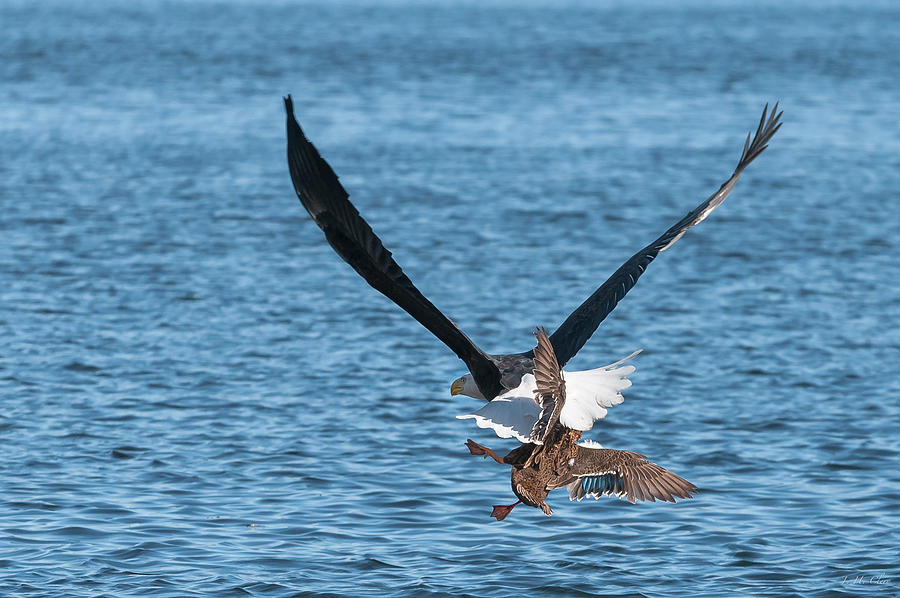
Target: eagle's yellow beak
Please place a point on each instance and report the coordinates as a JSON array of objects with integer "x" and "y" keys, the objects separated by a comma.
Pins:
[{"x": 457, "y": 387}]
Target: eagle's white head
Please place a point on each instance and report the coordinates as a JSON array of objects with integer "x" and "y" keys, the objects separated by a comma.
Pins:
[{"x": 466, "y": 386}]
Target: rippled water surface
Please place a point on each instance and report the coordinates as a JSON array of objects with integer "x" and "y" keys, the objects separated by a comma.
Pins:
[{"x": 199, "y": 398}]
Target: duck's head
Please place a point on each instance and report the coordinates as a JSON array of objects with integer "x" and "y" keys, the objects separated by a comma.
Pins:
[{"x": 466, "y": 386}]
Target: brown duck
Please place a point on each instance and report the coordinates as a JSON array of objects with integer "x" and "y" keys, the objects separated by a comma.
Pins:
[{"x": 554, "y": 458}]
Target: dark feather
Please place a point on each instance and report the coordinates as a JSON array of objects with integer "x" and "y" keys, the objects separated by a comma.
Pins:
[
  {"x": 639, "y": 478},
  {"x": 551, "y": 388},
  {"x": 352, "y": 238},
  {"x": 583, "y": 322}
]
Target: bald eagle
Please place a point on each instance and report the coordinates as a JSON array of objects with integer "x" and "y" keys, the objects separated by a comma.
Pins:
[{"x": 489, "y": 376}]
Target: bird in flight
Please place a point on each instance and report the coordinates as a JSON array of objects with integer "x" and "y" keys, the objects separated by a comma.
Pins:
[
  {"x": 489, "y": 376},
  {"x": 552, "y": 457}
]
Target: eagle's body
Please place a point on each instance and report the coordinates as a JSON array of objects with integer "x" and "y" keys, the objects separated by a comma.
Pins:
[{"x": 590, "y": 392}]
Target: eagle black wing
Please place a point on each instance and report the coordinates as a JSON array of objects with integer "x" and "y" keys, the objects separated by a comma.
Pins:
[
  {"x": 571, "y": 336},
  {"x": 352, "y": 238}
]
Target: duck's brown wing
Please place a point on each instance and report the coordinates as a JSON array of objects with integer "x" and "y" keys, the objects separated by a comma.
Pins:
[
  {"x": 551, "y": 388},
  {"x": 600, "y": 472},
  {"x": 352, "y": 238},
  {"x": 583, "y": 322}
]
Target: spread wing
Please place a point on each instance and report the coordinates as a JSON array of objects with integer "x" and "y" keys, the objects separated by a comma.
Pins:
[
  {"x": 551, "y": 388},
  {"x": 581, "y": 324},
  {"x": 600, "y": 472},
  {"x": 350, "y": 236}
]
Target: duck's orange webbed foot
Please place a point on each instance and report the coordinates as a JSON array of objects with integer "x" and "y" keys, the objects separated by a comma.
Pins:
[
  {"x": 501, "y": 511},
  {"x": 477, "y": 449}
]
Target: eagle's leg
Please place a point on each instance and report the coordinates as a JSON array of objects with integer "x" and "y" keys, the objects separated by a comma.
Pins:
[
  {"x": 477, "y": 449},
  {"x": 501, "y": 511}
]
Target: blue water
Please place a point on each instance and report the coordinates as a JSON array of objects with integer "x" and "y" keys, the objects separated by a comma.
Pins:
[{"x": 200, "y": 399}]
